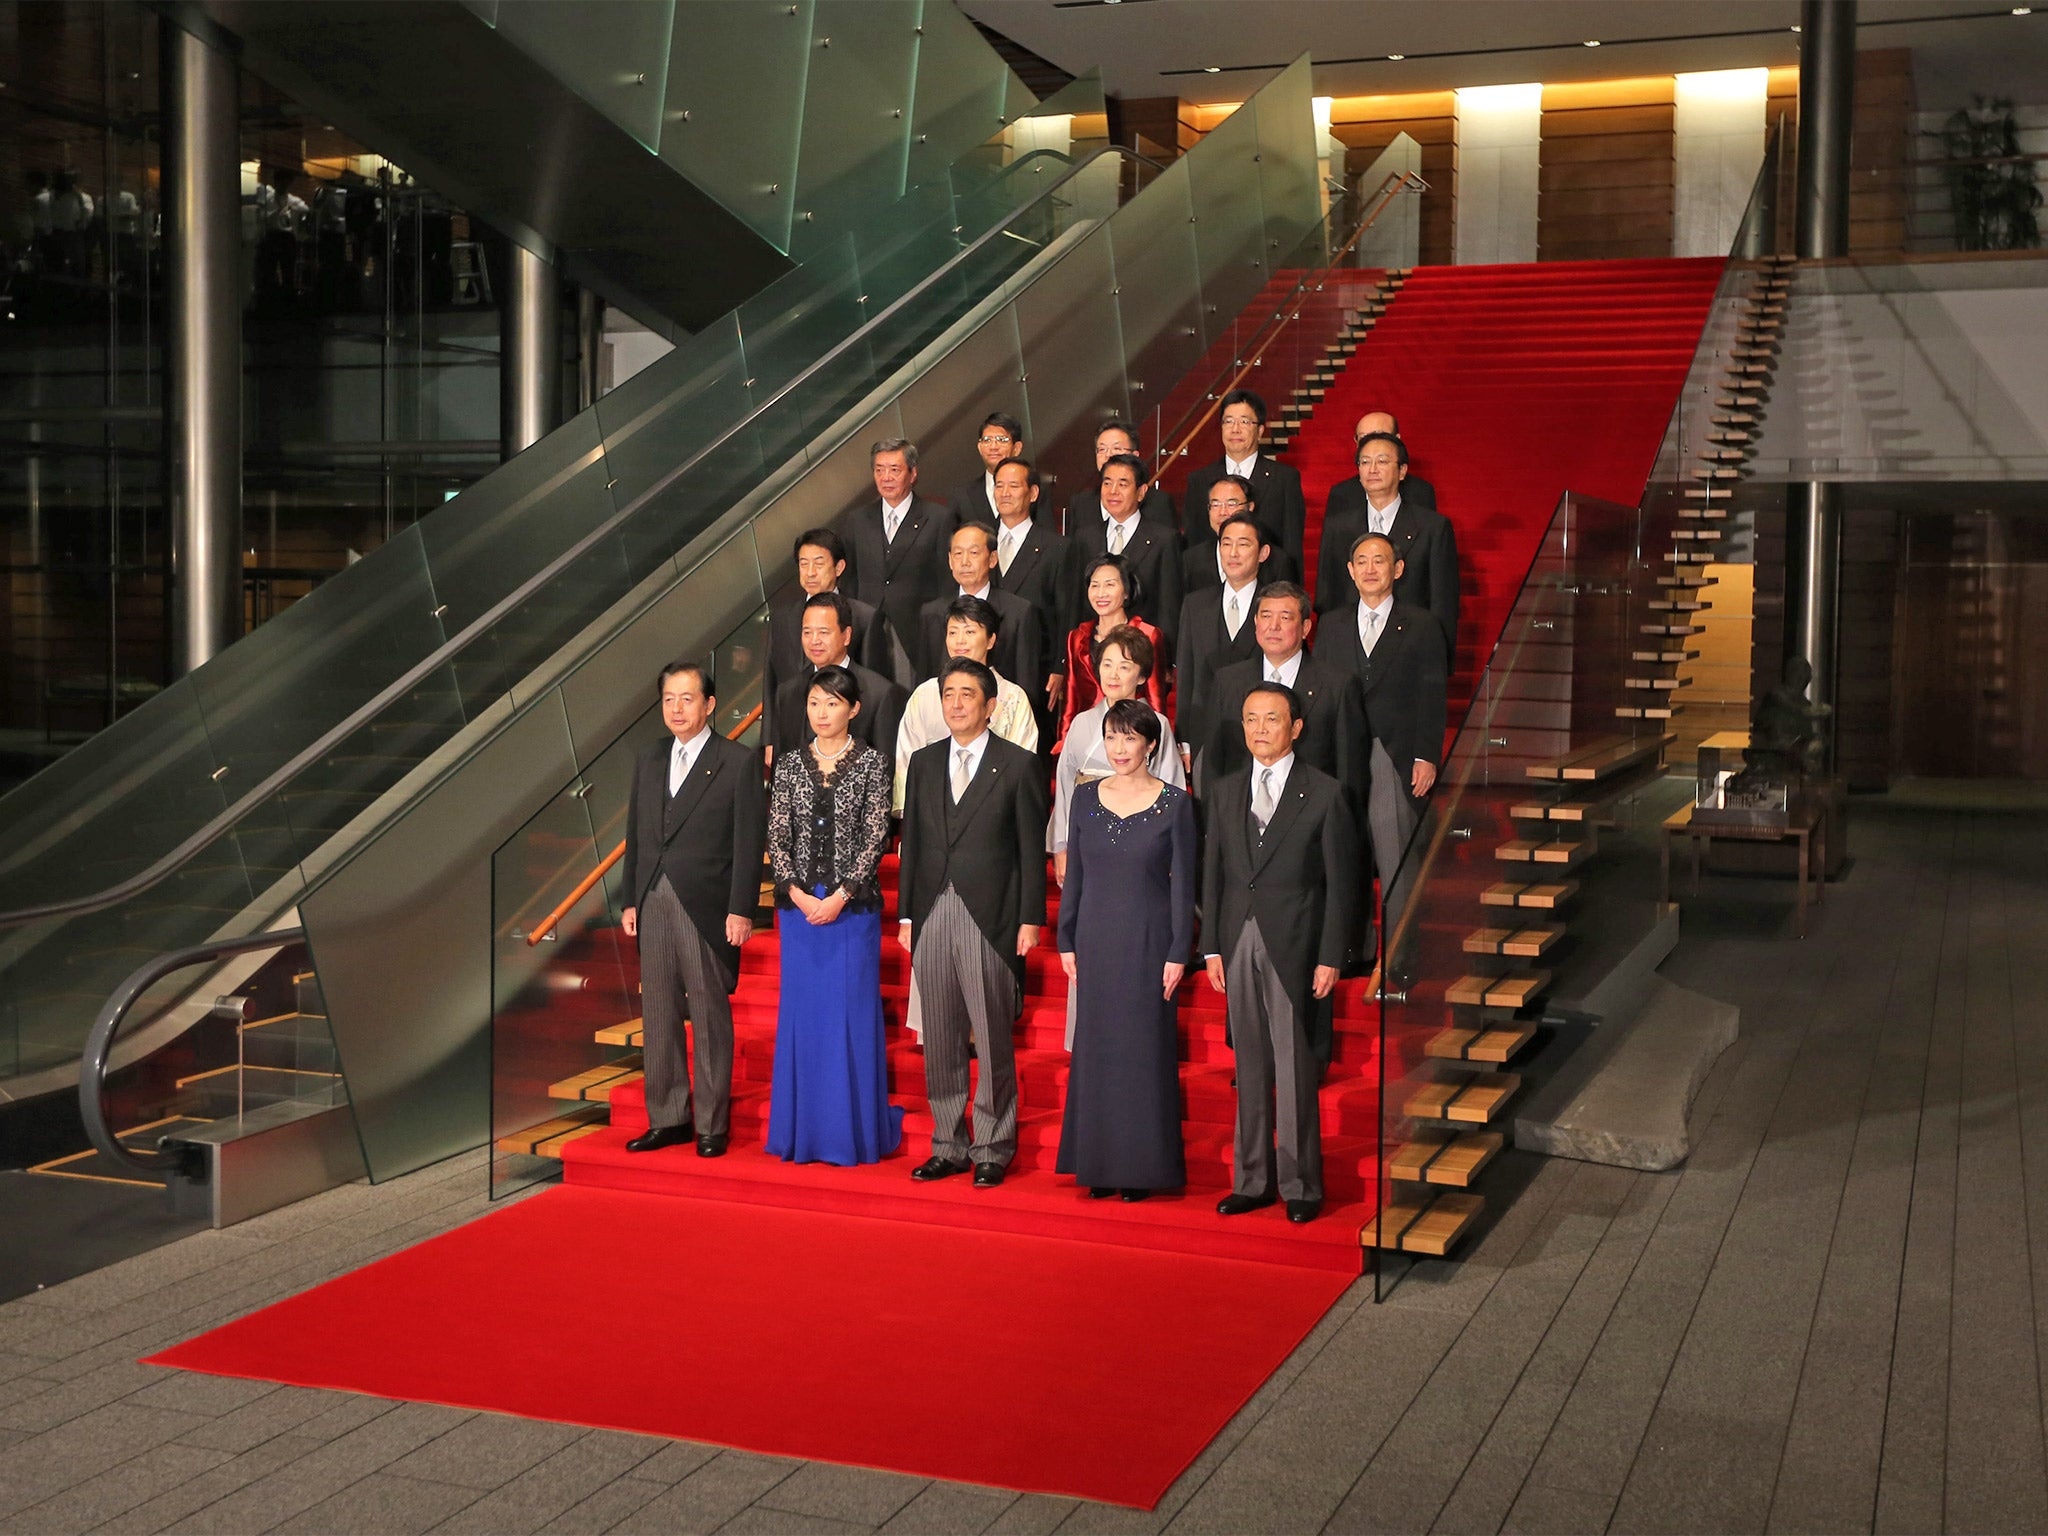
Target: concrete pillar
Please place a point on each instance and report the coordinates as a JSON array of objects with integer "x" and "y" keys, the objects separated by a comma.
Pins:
[
  {"x": 529, "y": 351},
  {"x": 202, "y": 344}
]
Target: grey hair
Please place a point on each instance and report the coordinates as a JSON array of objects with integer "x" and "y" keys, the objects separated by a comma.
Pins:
[{"x": 902, "y": 445}]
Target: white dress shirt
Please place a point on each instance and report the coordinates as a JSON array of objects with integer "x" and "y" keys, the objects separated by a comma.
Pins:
[
  {"x": 1008, "y": 541},
  {"x": 1241, "y": 467},
  {"x": 981, "y": 592},
  {"x": 1286, "y": 672},
  {"x": 1279, "y": 771},
  {"x": 892, "y": 518},
  {"x": 1372, "y": 621},
  {"x": 1245, "y": 596},
  {"x": 975, "y": 751},
  {"x": 1381, "y": 519},
  {"x": 682, "y": 758},
  {"x": 1110, "y": 535}
]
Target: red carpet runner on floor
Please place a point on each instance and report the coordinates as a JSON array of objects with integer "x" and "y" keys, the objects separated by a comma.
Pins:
[{"x": 1048, "y": 1366}]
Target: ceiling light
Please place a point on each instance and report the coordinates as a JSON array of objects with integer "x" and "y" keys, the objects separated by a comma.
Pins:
[
  {"x": 1397, "y": 57},
  {"x": 1212, "y": 69},
  {"x": 1795, "y": 29},
  {"x": 1592, "y": 42},
  {"x": 2023, "y": 10}
]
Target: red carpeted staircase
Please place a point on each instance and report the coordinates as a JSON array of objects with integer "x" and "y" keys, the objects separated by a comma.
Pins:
[
  {"x": 1514, "y": 384},
  {"x": 1033, "y": 1200}
]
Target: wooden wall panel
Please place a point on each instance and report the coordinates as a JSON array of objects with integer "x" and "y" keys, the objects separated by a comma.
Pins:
[
  {"x": 1368, "y": 124},
  {"x": 1606, "y": 184},
  {"x": 1880, "y": 151}
]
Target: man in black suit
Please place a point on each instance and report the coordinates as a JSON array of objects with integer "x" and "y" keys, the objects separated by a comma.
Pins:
[
  {"x": 820, "y": 566},
  {"x": 896, "y": 543},
  {"x": 695, "y": 828},
  {"x": 1032, "y": 561},
  {"x": 1396, "y": 653},
  {"x": 1001, "y": 437},
  {"x": 1327, "y": 702},
  {"x": 1277, "y": 880},
  {"x": 1019, "y": 652},
  {"x": 1202, "y": 564},
  {"x": 827, "y": 636},
  {"x": 1387, "y": 501},
  {"x": 1217, "y": 629},
  {"x": 1111, "y": 438},
  {"x": 1149, "y": 549},
  {"x": 972, "y": 899},
  {"x": 1276, "y": 487}
]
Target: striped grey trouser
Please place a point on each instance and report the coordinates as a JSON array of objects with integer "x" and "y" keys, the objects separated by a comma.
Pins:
[
  {"x": 680, "y": 978},
  {"x": 966, "y": 988},
  {"x": 1391, "y": 819},
  {"x": 1276, "y": 1080}
]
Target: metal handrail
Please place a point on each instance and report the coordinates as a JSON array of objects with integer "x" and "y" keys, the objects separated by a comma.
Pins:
[
  {"x": 99, "y": 1043},
  {"x": 1396, "y": 183},
  {"x": 335, "y": 735}
]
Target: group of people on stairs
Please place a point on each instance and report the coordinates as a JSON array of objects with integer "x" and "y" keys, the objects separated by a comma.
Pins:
[{"x": 1139, "y": 705}]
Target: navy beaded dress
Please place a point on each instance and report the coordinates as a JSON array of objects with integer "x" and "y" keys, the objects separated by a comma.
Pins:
[{"x": 1127, "y": 908}]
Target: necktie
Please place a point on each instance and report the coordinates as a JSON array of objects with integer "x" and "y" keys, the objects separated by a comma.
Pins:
[
  {"x": 1006, "y": 550},
  {"x": 891, "y": 521},
  {"x": 678, "y": 770},
  {"x": 1262, "y": 802},
  {"x": 1233, "y": 614},
  {"x": 962, "y": 772},
  {"x": 1116, "y": 537},
  {"x": 1372, "y": 629}
]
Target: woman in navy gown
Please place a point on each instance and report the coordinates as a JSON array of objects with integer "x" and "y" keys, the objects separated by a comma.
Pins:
[
  {"x": 1127, "y": 922},
  {"x": 828, "y": 824}
]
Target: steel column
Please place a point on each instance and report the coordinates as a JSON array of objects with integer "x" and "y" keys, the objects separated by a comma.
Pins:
[{"x": 529, "y": 350}]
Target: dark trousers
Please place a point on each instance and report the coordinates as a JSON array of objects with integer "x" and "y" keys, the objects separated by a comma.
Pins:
[
  {"x": 680, "y": 978},
  {"x": 1279, "y": 1147}
]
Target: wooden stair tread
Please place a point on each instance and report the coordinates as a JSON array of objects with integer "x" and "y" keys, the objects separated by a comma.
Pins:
[
  {"x": 1544, "y": 895},
  {"x": 1515, "y": 991},
  {"x": 627, "y": 1033},
  {"x": 1430, "y": 1227},
  {"x": 599, "y": 1082},
  {"x": 1497, "y": 1046},
  {"x": 549, "y": 1137},
  {"x": 1482, "y": 1097},
  {"x": 1438, "y": 1157}
]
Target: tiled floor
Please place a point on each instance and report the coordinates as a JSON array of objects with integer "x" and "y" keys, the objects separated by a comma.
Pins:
[{"x": 1826, "y": 1320}]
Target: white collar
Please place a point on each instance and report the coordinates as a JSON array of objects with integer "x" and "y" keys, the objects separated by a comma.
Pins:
[
  {"x": 1286, "y": 672},
  {"x": 986, "y": 587},
  {"x": 1243, "y": 466},
  {"x": 897, "y": 509}
]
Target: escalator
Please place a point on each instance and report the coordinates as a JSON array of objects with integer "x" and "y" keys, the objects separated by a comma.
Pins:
[{"x": 354, "y": 764}]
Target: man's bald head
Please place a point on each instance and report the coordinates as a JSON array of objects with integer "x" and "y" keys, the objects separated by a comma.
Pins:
[{"x": 1375, "y": 421}]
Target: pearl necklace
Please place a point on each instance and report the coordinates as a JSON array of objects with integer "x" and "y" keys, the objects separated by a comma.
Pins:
[{"x": 826, "y": 762}]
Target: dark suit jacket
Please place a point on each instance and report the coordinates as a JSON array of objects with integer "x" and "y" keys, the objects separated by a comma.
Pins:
[
  {"x": 971, "y": 504},
  {"x": 1344, "y": 519},
  {"x": 990, "y": 847},
  {"x": 1332, "y": 739},
  {"x": 1153, "y": 553},
  {"x": 1278, "y": 495},
  {"x": 1402, "y": 684},
  {"x": 901, "y": 577},
  {"x": 708, "y": 840},
  {"x": 786, "y": 659},
  {"x": 881, "y": 710},
  {"x": 1086, "y": 506},
  {"x": 1301, "y": 880},
  {"x": 1198, "y": 567},
  {"x": 1020, "y": 653},
  {"x": 1041, "y": 572},
  {"x": 1205, "y": 648},
  {"x": 1427, "y": 546}
]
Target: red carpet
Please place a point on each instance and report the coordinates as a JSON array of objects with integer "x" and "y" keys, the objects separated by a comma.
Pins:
[{"x": 1059, "y": 1367}]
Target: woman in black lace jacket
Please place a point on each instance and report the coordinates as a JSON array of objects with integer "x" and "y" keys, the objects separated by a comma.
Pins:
[{"x": 828, "y": 826}]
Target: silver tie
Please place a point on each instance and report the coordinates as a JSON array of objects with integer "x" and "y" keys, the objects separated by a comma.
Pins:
[
  {"x": 1006, "y": 550},
  {"x": 1372, "y": 629},
  {"x": 1233, "y": 615},
  {"x": 961, "y": 772},
  {"x": 1116, "y": 537},
  {"x": 1262, "y": 802}
]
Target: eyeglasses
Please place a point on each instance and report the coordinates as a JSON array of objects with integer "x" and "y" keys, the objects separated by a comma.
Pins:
[
  {"x": 1228, "y": 506},
  {"x": 990, "y": 442}
]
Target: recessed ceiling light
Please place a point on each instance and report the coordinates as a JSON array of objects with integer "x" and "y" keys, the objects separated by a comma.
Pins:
[
  {"x": 1795, "y": 29},
  {"x": 2023, "y": 10},
  {"x": 1212, "y": 69},
  {"x": 1592, "y": 42},
  {"x": 1397, "y": 57}
]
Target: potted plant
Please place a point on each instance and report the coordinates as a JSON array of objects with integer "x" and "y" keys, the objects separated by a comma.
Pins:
[{"x": 1990, "y": 180}]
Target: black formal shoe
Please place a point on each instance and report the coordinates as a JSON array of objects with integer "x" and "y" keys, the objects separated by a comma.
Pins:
[
  {"x": 1101, "y": 1191},
  {"x": 937, "y": 1168},
  {"x": 655, "y": 1137},
  {"x": 711, "y": 1146},
  {"x": 1299, "y": 1211},
  {"x": 1133, "y": 1196},
  {"x": 1239, "y": 1205},
  {"x": 988, "y": 1175}
]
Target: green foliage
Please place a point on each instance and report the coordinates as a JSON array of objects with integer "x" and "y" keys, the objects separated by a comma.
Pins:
[{"x": 1990, "y": 183}]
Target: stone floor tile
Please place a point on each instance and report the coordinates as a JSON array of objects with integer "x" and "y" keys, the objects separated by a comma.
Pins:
[
  {"x": 676, "y": 1460},
  {"x": 711, "y": 1495},
  {"x": 761, "y": 1520},
  {"x": 383, "y": 1503},
  {"x": 196, "y": 1493},
  {"x": 1544, "y": 1511},
  {"x": 949, "y": 1509},
  {"x": 856, "y": 1495},
  {"x": 552, "y": 1487},
  {"x": 1033, "y": 1514},
  {"x": 41, "y": 1466},
  {"x": 486, "y": 1452},
  {"x": 303, "y": 1412},
  {"x": 196, "y": 1392},
  {"x": 116, "y": 1490},
  {"x": 611, "y": 1508}
]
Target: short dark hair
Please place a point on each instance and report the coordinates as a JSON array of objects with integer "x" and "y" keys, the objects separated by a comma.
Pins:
[
  {"x": 1134, "y": 643},
  {"x": 983, "y": 675},
  {"x": 976, "y": 610},
  {"x": 1134, "y": 717},
  {"x": 1251, "y": 495},
  {"x": 1116, "y": 424},
  {"x": 1282, "y": 690},
  {"x": 1030, "y": 469},
  {"x": 1124, "y": 573},
  {"x": 980, "y": 525},
  {"x": 1400, "y": 448},
  {"x": 842, "y": 610},
  {"x": 902, "y": 445},
  {"x": 838, "y": 682},
  {"x": 1248, "y": 397},
  {"x": 1247, "y": 520},
  {"x": 1366, "y": 538},
  {"x": 819, "y": 538},
  {"x": 1008, "y": 423},
  {"x": 702, "y": 669},
  {"x": 1129, "y": 461},
  {"x": 1292, "y": 591}
]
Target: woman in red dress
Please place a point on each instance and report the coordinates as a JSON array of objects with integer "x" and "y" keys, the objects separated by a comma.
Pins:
[{"x": 1111, "y": 593}]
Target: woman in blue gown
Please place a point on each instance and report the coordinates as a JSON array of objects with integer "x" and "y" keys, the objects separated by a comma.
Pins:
[
  {"x": 828, "y": 824},
  {"x": 1127, "y": 922}
]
